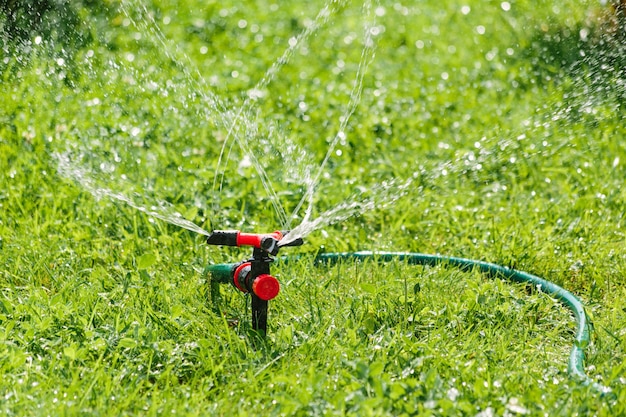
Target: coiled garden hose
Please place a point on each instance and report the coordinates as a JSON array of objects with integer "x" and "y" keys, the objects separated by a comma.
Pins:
[
  {"x": 576, "y": 363},
  {"x": 221, "y": 273}
]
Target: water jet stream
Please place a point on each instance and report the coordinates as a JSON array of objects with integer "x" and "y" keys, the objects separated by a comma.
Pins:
[
  {"x": 367, "y": 56},
  {"x": 233, "y": 121},
  {"x": 69, "y": 170},
  {"x": 321, "y": 19},
  {"x": 240, "y": 127}
]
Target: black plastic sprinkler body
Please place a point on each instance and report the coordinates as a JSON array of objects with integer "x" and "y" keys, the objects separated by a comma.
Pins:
[
  {"x": 223, "y": 273},
  {"x": 251, "y": 276}
]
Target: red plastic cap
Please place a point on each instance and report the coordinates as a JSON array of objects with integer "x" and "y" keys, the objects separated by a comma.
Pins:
[
  {"x": 255, "y": 239},
  {"x": 265, "y": 287}
]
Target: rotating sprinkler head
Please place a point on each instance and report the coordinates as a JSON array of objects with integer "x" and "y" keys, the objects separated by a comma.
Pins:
[
  {"x": 268, "y": 242},
  {"x": 251, "y": 276}
]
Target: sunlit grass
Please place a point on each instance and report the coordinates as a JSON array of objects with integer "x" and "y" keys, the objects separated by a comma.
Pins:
[{"x": 514, "y": 157}]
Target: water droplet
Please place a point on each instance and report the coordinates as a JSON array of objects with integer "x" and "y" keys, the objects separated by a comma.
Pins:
[
  {"x": 515, "y": 407},
  {"x": 506, "y": 6},
  {"x": 584, "y": 35},
  {"x": 466, "y": 9},
  {"x": 577, "y": 266},
  {"x": 487, "y": 412},
  {"x": 376, "y": 30},
  {"x": 245, "y": 162},
  {"x": 453, "y": 394}
]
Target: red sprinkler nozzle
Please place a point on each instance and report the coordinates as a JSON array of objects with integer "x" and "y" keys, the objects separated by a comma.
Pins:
[{"x": 264, "y": 286}]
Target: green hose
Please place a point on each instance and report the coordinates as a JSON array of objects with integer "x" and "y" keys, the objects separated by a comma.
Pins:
[{"x": 576, "y": 362}]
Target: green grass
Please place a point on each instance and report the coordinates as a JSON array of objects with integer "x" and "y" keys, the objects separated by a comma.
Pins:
[{"x": 513, "y": 143}]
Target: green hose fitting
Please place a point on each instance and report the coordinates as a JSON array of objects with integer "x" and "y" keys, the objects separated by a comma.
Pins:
[{"x": 220, "y": 273}]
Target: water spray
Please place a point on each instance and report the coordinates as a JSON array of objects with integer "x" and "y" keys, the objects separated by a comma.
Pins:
[{"x": 253, "y": 277}]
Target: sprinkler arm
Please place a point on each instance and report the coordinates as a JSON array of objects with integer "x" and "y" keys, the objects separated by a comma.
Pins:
[{"x": 268, "y": 242}]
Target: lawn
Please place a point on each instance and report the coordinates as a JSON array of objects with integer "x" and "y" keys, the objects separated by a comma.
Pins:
[{"x": 485, "y": 130}]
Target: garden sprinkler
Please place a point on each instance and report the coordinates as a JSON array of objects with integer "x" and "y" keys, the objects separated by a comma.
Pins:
[{"x": 251, "y": 276}]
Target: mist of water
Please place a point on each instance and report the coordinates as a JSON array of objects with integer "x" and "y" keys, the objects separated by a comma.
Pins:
[
  {"x": 367, "y": 55},
  {"x": 381, "y": 197},
  {"x": 240, "y": 127},
  {"x": 162, "y": 211},
  {"x": 321, "y": 19}
]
